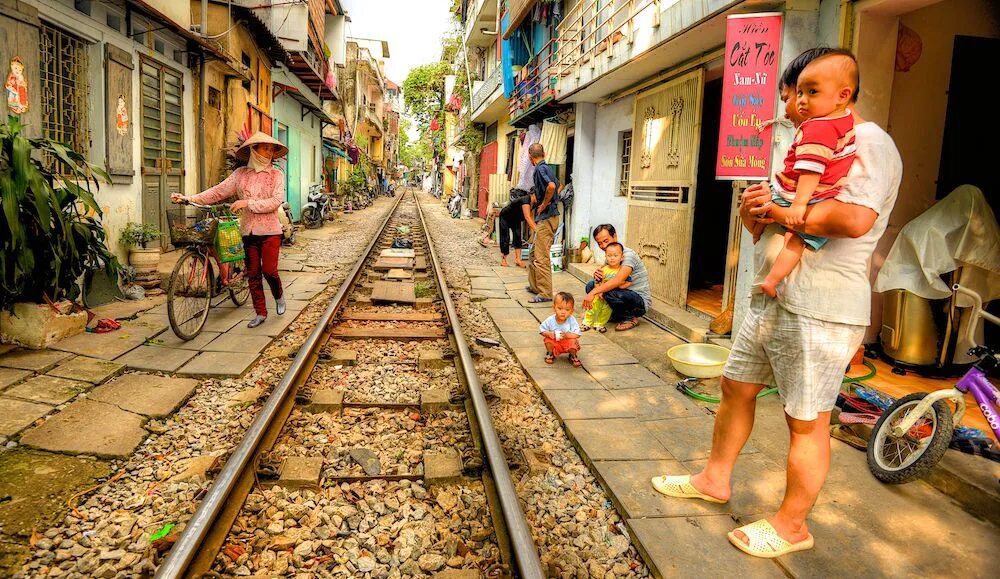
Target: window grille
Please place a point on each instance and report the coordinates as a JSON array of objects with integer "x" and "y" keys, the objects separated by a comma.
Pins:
[
  {"x": 63, "y": 75},
  {"x": 625, "y": 152}
]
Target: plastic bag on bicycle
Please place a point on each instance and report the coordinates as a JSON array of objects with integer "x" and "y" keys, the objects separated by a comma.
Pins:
[{"x": 229, "y": 241}]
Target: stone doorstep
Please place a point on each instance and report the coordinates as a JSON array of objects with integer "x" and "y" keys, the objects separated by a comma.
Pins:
[{"x": 690, "y": 327}]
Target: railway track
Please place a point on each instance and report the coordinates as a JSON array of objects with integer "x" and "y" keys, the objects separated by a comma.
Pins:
[{"x": 379, "y": 426}]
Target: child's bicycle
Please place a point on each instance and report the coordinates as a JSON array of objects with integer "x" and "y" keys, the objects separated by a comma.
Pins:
[
  {"x": 913, "y": 434},
  {"x": 193, "y": 282}
]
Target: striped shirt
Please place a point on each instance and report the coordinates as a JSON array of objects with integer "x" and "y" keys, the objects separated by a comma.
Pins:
[
  {"x": 823, "y": 145},
  {"x": 639, "y": 276}
]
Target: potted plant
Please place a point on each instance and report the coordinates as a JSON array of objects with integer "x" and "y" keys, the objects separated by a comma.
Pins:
[
  {"x": 50, "y": 236},
  {"x": 135, "y": 236}
]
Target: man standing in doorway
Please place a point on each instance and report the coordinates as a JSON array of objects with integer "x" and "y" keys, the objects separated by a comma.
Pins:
[
  {"x": 627, "y": 305},
  {"x": 545, "y": 224}
]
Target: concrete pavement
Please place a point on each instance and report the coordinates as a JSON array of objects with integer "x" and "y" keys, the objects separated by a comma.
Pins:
[{"x": 630, "y": 423}]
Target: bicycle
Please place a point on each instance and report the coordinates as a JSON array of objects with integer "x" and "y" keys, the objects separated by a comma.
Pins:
[
  {"x": 193, "y": 282},
  {"x": 915, "y": 431}
]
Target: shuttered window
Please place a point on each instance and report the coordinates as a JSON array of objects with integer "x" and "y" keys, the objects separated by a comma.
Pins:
[
  {"x": 63, "y": 75},
  {"x": 163, "y": 114}
]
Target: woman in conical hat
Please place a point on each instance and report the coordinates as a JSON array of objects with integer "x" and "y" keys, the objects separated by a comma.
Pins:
[{"x": 259, "y": 188}]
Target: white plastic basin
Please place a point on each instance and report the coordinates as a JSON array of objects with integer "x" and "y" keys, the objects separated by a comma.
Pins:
[{"x": 698, "y": 360}]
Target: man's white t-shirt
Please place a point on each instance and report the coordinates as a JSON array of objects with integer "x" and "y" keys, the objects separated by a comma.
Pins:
[{"x": 832, "y": 284}]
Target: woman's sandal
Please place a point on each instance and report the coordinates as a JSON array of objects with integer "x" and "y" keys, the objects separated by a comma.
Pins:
[
  {"x": 550, "y": 358},
  {"x": 585, "y": 328},
  {"x": 765, "y": 542},
  {"x": 628, "y": 325},
  {"x": 602, "y": 329},
  {"x": 573, "y": 359}
]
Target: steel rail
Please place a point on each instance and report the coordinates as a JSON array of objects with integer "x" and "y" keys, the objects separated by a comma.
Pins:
[
  {"x": 200, "y": 525},
  {"x": 525, "y": 551}
]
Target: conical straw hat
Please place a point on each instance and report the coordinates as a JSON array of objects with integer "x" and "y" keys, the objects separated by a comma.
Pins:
[{"x": 243, "y": 153}]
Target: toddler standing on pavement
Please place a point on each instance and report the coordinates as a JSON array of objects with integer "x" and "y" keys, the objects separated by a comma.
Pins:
[
  {"x": 818, "y": 161},
  {"x": 561, "y": 331},
  {"x": 600, "y": 312}
]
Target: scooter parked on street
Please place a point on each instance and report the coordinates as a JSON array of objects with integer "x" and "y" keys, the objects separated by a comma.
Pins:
[{"x": 317, "y": 208}]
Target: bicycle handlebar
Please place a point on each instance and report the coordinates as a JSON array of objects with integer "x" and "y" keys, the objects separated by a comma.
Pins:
[{"x": 977, "y": 312}]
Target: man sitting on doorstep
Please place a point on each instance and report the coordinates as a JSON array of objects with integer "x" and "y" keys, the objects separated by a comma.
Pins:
[{"x": 627, "y": 305}]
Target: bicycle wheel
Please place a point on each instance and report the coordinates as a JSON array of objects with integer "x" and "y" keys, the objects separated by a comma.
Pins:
[
  {"x": 189, "y": 295},
  {"x": 239, "y": 287},
  {"x": 311, "y": 218},
  {"x": 898, "y": 460}
]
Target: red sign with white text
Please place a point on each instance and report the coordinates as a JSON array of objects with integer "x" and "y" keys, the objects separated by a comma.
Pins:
[{"x": 749, "y": 95}]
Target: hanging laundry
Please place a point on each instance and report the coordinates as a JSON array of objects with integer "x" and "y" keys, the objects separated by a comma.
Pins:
[
  {"x": 525, "y": 169},
  {"x": 553, "y": 139}
]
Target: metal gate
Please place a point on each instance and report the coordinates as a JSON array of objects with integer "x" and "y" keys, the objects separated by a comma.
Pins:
[
  {"x": 663, "y": 170},
  {"x": 162, "y": 142}
]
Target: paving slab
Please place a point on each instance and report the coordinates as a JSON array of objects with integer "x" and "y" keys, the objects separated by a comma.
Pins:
[
  {"x": 583, "y": 404},
  {"x": 540, "y": 315},
  {"x": 479, "y": 272},
  {"x": 510, "y": 272},
  {"x": 687, "y": 438},
  {"x": 232, "y": 342},
  {"x": 500, "y": 303},
  {"x": 520, "y": 322},
  {"x": 10, "y": 376},
  {"x": 34, "y": 360},
  {"x": 156, "y": 358},
  {"x": 87, "y": 369},
  {"x": 112, "y": 344},
  {"x": 626, "y": 376},
  {"x": 272, "y": 327},
  {"x": 515, "y": 313},
  {"x": 153, "y": 396},
  {"x": 616, "y": 439},
  {"x": 562, "y": 377},
  {"x": 48, "y": 389},
  {"x": 659, "y": 402},
  {"x": 18, "y": 414},
  {"x": 490, "y": 283},
  {"x": 607, "y": 355},
  {"x": 534, "y": 356},
  {"x": 758, "y": 483},
  {"x": 698, "y": 547},
  {"x": 219, "y": 364},
  {"x": 488, "y": 294},
  {"x": 223, "y": 319},
  {"x": 89, "y": 427},
  {"x": 170, "y": 340},
  {"x": 629, "y": 483}
]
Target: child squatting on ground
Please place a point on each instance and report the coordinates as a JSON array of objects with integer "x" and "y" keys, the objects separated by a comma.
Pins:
[
  {"x": 561, "y": 331},
  {"x": 599, "y": 313},
  {"x": 819, "y": 159}
]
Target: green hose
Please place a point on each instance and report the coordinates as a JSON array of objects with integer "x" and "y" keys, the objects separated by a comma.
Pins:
[{"x": 683, "y": 387}]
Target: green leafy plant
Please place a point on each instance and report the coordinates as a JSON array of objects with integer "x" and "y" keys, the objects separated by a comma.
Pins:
[
  {"x": 138, "y": 234},
  {"x": 51, "y": 232}
]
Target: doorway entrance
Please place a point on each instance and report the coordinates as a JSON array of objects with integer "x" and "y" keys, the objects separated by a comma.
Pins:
[
  {"x": 712, "y": 208},
  {"x": 162, "y": 142}
]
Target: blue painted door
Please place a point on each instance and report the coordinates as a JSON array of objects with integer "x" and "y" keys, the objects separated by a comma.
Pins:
[{"x": 294, "y": 174}]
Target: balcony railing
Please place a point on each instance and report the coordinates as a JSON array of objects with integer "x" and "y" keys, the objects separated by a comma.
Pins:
[
  {"x": 536, "y": 81},
  {"x": 486, "y": 90},
  {"x": 593, "y": 27}
]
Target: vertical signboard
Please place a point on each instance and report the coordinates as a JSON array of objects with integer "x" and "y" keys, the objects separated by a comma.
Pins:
[{"x": 749, "y": 94}]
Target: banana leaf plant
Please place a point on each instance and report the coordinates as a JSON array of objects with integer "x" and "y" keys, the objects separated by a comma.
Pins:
[{"x": 50, "y": 231}]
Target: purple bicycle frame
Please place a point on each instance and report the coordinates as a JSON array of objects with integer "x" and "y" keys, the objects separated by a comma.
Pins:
[{"x": 985, "y": 393}]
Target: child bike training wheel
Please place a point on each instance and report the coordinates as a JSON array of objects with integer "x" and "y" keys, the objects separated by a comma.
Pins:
[
  {"x": 898, "y": 460},
  {"x": 189, "y": 295},
  {"x": 239, "y": 287}
]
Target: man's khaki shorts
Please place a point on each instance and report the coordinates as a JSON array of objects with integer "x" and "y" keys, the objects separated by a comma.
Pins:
[{"x": 804, "y": 357}]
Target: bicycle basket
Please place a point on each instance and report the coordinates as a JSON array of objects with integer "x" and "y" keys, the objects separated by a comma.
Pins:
[
  {"x": 229, "y": 241},
  {"x": 191, "y": 226}
]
